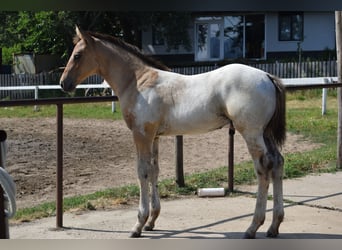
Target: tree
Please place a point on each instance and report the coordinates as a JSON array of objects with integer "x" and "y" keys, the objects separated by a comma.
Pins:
[
  {"x": 175, "y": 26},
  {"x": 51, "y": 32},
  {"x": 45, "y": 32}
]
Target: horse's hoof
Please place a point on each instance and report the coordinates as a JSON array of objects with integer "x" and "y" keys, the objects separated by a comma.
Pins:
[
  {"x": 148, "y": 228},
  {"x": 248, "y": 236},
  {"x": 135, "y": 235},
  {"x": 272, "y": 234}
]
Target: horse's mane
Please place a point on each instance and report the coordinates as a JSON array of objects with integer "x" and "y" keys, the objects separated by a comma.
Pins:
[{"x": 129, "y": 48}]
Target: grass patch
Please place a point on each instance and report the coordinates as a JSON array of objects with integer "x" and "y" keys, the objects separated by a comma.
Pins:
[
  {"x": 83, "y": 110},
  {"x": 303, "y": 116}
]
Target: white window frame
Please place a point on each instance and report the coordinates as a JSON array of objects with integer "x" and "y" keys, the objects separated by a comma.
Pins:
[{"x": 220, "y": 21}]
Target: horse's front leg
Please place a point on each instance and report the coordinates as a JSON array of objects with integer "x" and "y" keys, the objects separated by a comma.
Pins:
[
  {"x": 155, "y": 202},
  {"x": 144, "y": 169},
  {"x": 143, "y": 212}
]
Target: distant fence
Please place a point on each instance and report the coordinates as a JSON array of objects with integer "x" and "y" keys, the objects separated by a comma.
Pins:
[
  {"x": 280, "y": 69},
  {"x": 18, "y": 80}
]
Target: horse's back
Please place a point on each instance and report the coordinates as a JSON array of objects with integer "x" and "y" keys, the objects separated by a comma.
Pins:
[
  {"x": 247, "y": 95},
  {"x": 207, "y": 101}
]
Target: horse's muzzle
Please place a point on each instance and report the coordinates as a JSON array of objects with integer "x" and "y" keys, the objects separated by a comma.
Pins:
[{"x": 66, "y": 85}]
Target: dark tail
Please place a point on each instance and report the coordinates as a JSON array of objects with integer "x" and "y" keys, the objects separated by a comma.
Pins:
[{"x": 276, "y": 128}]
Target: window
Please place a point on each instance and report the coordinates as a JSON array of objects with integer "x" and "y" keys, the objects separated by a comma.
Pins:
[
  {"x": 229, "y": 37},
  {"x": 208, "y": 37},
  {"x": 233, "y": 37},
  {"x": 208, "y": 41},
  {"x": 158, "y": 35},
  {"x": 291, "y": 27}
]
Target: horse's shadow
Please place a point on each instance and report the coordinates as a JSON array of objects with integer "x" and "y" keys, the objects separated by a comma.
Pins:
[{"x": 196, "y": 233}]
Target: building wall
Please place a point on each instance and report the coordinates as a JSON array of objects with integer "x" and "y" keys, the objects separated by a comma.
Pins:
[{"x": 319, "y": 33}]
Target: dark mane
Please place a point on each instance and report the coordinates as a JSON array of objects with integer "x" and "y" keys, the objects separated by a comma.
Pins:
[{"x": 131, "y": 49}]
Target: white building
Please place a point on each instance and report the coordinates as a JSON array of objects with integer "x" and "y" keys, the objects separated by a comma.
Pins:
[{"x": 257, "y": 36}]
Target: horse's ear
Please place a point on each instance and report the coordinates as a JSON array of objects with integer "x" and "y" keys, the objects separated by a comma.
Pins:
[{"x": 83, "y": 35}]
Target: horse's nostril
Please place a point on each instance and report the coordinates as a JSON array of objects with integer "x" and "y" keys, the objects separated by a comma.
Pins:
[{"x": 64, "y": 85}]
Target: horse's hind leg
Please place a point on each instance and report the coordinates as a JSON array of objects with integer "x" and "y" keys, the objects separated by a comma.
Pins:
[
  {"x": 262, "y": 166},
  {"x": 277, "y": 178},
  {"x": 155, "y": 202},
  {"x": 268, "y": 163}
]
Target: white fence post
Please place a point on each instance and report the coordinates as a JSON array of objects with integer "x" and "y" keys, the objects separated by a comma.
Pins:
[
  {"x": 36, "y": 95},
  {"x": 324, "y": 97}
]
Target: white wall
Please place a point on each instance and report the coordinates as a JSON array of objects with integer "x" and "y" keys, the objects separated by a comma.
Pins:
[{"x": 319, "y": 33}]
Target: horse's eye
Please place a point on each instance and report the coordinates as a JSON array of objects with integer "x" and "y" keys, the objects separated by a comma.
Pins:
[{"x": 77, "y": 56}]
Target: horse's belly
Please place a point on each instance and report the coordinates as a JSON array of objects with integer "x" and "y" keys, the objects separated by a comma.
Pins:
[{"x": 193, "y": 124}]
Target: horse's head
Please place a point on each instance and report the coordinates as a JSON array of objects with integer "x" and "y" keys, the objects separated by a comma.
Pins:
[{"x": 82, "y": 62}]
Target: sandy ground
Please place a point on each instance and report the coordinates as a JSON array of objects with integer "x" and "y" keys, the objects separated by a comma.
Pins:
[{"x": 100, "y": 154}]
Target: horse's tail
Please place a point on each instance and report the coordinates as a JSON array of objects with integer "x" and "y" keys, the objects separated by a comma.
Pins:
[{"x": 276, "y": 128}]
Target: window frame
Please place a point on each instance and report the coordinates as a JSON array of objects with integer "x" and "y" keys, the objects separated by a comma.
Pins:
[{"x": 291, "y": 16}]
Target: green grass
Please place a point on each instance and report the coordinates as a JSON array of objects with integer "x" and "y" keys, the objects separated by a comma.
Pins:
[
  {"x": 303, "y": 117},
  {"x": 84, "y": 111}
]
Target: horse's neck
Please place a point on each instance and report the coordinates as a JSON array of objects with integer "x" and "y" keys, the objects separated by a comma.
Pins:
[
  {"x": 124, "y": 71},
  {"x": 118, "y": 72}
]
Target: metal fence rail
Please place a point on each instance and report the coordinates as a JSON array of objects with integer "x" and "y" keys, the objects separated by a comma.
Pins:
[{"x": 59, "y": 102}]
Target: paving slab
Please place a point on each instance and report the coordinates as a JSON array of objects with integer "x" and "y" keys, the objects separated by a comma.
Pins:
[{"x": 318, "y": 215}]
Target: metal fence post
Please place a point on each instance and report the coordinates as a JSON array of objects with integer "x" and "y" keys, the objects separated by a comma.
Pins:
[
  {"x": 59, "y": 174},
  {"x": 179, "y": 161},
  {"x": 4, "y": 234},
  {"x": 231, "y": 158}
]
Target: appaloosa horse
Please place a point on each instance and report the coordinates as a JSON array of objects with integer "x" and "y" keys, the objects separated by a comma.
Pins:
[{"x": 157, "y": 102}]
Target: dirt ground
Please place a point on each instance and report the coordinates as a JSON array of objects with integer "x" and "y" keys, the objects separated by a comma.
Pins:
[{"x": 100, "y": 154}]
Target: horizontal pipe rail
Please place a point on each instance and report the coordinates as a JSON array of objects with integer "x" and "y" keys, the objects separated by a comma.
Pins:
[
  {"x": 60, "y": 100},
  {"x": 59, "y": 119},
  {"x": 294, "y": 87},
  {"x": 73, "y": 100}
]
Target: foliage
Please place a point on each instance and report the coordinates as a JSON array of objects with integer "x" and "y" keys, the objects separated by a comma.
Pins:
[
  {"x": 51, "y": 32},
  {"x": 45, "y": 32},
  {"x": 175, "y": 26}
]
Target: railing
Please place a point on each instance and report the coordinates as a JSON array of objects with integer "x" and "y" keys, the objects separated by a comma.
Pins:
[
  {"x": 280, "y": 69},
  {"x": 295, "y": 83},
  {"x": 21, "y": 86},
  {"x": 59, "y": 102}
]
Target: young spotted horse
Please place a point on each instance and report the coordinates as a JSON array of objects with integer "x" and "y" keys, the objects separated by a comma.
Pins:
[{"x": 156, "y": 102}]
